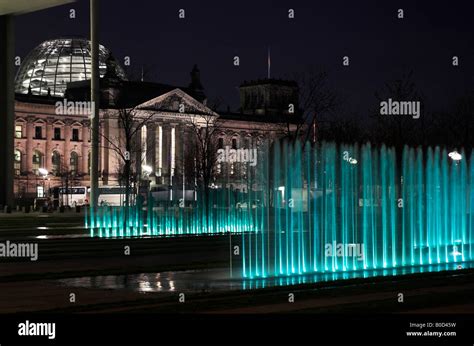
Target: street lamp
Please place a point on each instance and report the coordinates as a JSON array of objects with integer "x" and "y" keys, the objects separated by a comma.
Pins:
[
  {"x": 147, "y": 170},
  {"x": 455, "y": 156},
  {"x": 352, "y": 161},
  {"x": 146, "y": 174},
  {"x": 44, "y": 172}
]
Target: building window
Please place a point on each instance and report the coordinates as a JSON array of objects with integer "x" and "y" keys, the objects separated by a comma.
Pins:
[
  {"x": 75, "y": 135},
  {"x": 234, "y": 143},
  {"x": 220, "y": 143},
  {"x": 74, "y": 163},
  {"x": 57, "y": 133},
  {"x": 17, "y": 162},
  {"x": 18, "y": 131},
  {"x": 55, "y": 163},
  {"x": 38, "y": 132},
  {"x": 36, "y": 160}
]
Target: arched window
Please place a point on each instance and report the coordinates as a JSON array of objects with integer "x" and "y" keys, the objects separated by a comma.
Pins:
[
  {"x": 17, "y": 163},
  {"x": 89, "y": 162},
  {"x": 74, "y": 163},
  {"x": 37, "y": 160},
  {"x": 56, "y": 163}
]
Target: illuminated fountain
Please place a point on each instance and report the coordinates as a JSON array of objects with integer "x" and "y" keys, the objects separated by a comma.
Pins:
[
  {"x": 221, "y": 209},
  {"x": 221, "y": 212},
  {"x": 327, "y": 210},
  {"x": 342, "y": 209}
]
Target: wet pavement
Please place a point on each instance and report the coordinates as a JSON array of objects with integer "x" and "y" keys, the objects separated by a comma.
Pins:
[
  {"x": 173, "y": 281},
  {"x": 219, "y": 279}
]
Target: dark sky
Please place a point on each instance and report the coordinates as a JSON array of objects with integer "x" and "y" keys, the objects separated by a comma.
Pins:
[{"x": 379, "y": 45}]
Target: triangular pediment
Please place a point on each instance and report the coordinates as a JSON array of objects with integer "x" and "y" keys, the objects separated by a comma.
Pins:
[{"x": 176, "y": 101}]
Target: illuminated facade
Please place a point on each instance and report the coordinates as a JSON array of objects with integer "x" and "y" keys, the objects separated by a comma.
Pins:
[
  {"x": 43, "y": 139},
  {"x": 59, "y": 142}
]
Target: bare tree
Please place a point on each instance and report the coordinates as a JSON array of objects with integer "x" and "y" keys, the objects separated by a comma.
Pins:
[
  {"x": 215, "y": 103},
  {"x": 455, "y": 127},
  {"x": 68, "y": 176},
  {"x": 317, "y": 100},
  {"x": 400, "y": 130},
  {"x": 342, "y": 129},
  {"x": 202, "y": 154},
  {"x": 126, "y": 142}
]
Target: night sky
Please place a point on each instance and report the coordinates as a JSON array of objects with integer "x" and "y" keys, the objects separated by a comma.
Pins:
[{"x": 380, "y": 45}]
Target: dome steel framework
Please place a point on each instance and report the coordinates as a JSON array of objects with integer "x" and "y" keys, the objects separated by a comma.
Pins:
[{"x": 54, "y": 63}]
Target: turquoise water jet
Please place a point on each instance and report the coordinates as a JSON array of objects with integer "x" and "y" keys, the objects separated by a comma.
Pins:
[
  {"x": 324, "y": 208},
  {"x": 340, "y": 208},
  {"x": 224, "y": 211}
]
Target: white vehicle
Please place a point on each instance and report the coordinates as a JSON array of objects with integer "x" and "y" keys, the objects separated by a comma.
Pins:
[
  {"x": 74, "y": 196},
  {"x": 114, "y": 196}
]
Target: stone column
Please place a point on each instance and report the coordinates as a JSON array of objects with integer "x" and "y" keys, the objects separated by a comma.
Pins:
[
  {"x": 85, "y": 147},
  {"x": 181, "y": 141},
  {"x": 177, "y": 153},
  {"x": 158, "y": 162},
  {"x": 151, "y": 147},
  {"x": 166, "y": 150},
  {"x": 67, "y": 144},
  {"x": 49, "y": 144},
  {"x": 29, "y": 144},
  {"x": 172, "y": 154}
]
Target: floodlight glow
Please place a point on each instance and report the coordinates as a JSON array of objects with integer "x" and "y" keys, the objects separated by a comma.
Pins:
[
  {"x": 147, "y": 169},
  {"x": 455, "y": 156},
  {"x": 43, "y": 171}
]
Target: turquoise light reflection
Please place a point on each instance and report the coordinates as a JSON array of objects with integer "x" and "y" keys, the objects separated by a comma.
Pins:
[
  {"x": 412, "y": 211},
  {"x": 257, "y": 283}
]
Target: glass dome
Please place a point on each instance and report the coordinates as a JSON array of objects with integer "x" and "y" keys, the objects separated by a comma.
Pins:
[{"x": 54, "y": 63}]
